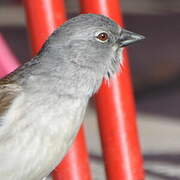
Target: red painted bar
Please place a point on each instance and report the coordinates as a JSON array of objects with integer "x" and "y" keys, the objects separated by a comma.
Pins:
[
  {"x": 43, "y": 17},
  {"x": 116, "y": 111},
  {"x": 8, "y": 61}
]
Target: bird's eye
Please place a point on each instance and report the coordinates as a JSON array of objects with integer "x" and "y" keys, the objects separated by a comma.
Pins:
[{"x": 102, "y": 37}]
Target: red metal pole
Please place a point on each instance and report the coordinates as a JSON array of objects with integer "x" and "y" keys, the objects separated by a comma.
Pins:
[
  {"x": 43, "y": 17},
  {"x": 116, "y": 111},
  {"x": 8, "y": 61}
]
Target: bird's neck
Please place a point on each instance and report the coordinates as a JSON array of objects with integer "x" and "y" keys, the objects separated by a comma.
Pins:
[{"x": 65, "y": 79}]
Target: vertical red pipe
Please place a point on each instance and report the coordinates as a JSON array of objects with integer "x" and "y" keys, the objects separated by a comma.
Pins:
[
  {"x": 116, "y": 111},
  {"x": 43, "y": 17},
  {"x": 8, "y": 61}
]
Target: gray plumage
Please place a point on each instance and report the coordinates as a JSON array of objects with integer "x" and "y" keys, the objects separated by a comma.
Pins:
[{"x": 42, "y": 103}]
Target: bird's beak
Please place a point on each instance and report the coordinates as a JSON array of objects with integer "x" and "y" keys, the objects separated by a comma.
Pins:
[{"x": 128, "y": 37}]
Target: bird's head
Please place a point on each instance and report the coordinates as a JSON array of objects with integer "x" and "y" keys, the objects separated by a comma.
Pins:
[{"x": 93, "y": 41}]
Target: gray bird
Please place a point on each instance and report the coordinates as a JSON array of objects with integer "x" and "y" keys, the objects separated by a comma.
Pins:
[{"x": 42, "y": 103}]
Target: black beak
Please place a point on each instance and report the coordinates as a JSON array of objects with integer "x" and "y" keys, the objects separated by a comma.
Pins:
[{"x": 127, "y": 37}]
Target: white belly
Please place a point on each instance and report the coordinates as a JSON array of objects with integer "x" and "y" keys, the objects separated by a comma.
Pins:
[{"x": 35, "y": 141}]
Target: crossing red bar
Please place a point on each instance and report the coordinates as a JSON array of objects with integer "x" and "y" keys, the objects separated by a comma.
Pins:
[
  {"x": 43, "y": 17},
  {"x": 8, "y": 61},
  {"x": 116, "y": 111}
]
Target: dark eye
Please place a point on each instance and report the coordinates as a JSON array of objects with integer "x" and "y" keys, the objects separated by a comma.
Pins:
[{"x": 102, "y": 36}]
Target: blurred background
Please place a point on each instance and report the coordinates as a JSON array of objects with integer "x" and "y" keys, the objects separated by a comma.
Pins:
[{"x": 155, "y": 68}]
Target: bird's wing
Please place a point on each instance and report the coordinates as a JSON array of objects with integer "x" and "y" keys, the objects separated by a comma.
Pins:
[{"x": 8, "y": 92}]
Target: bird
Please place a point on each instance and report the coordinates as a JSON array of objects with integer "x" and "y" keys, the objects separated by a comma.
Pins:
[{"x": 43, "y": 102}]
